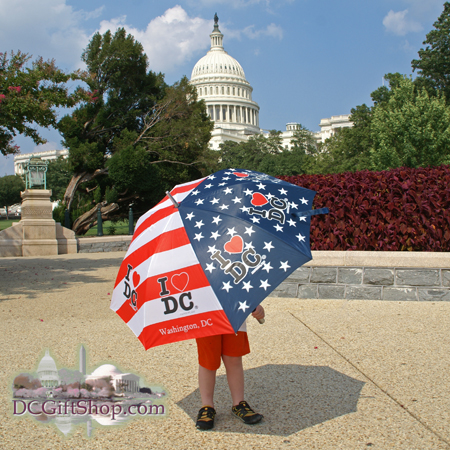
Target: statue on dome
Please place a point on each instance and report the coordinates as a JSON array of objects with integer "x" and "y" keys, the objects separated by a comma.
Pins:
[{"x": 216, "y": 19}]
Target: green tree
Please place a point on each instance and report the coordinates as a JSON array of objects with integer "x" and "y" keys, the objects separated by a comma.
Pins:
[
  {"x": 411, "y": 129},
  {"x": 10, "y": 188},
  {"x": 134, "y": 137},
  {"x": 29, "y": 97},
  {"x": 58, "y": 177},
  {"x": 433, "y": 64}
]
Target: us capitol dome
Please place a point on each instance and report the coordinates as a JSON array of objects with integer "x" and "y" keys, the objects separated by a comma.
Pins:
[{"x": 221, "y": 83}]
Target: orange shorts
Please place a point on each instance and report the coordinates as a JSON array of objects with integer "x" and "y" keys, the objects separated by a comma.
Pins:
[{"x": 211, "y": 348}]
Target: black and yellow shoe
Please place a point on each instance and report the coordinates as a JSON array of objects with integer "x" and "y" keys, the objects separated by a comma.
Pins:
[
  {"x": 246, "y": 414},
  {"x": 205, "y": 418}
]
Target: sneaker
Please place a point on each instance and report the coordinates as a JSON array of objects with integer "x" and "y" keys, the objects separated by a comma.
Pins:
[
  {"x": 205, "y": 418},
  {"x": 246, "y": 414}
]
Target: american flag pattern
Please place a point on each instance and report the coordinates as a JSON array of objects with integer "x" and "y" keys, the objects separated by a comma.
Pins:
[{"x": 201, "y": 268}]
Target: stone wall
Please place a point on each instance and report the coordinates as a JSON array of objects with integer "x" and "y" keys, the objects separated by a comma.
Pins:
[
  {"x": 361, "y": 283},
  {"x": 103, "y": 244}
]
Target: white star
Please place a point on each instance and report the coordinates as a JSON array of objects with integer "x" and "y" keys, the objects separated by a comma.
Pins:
[
  {"x": 212, "y": 249},
  {"x": 210, "y": 267},
  {"x": 208, "y": 186},
  {"x": 190, "y": 216},
  {"x": 236, "y": 200},
  {"x": 284, "y": 265},
  {"x": 199, "y": 224},
  {"x": 222, "y": 184},
  {"x": 278, "y": 227},
  {"x": 254, "y": 219},
  {"x": 282, "y": 191},
  {"x": 264, "y": 284},
  {"x": 215, "y": 235},
  {"x": 199, "y": 236},
  {"x": 216, "y": 220},
  {"x": 211, "y": 177},
  {"x": 268, "y": 246},
  {"x": 300, "y": 237},
  {"x": 292, "y": 223},
  {"x": 248, "y": 192},
  {"x": 267, "y": 267},
  {"x": 269, "y": 196},
  {"x": 226, "y": 178},
  {"x": 302, "y": 218},
  {"x": 243, "y": 306},
  {"x": 228, "y": 190},
  {"x": 195, "y": 192},
  {"x": 261, "y": 186},
  {"x": 304, "y": 201},
  {"x": 231, "y": 231},
  {"x": 244, "y": 209},
  {"x": 222, "y": 207},
  {"x": 293, "y": 205},
  {"x": 247, "y": 286},
  {"x": 226, "y": 286},
  {"x": 214, "y": 201},
  {"x": 248, "y": 246},
  {"x": 199, "y": 201},
  {"x": 249, "y": 231}
]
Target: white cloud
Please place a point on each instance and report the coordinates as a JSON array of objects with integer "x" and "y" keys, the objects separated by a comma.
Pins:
[
  {"x": 400, "y": 23},
  {"x": 47, "y": 28},
  {"x": 169, "y": 40},
  {"x": 271, "y": 30}
]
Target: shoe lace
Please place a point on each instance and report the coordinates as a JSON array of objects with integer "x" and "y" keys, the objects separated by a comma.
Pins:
[{"x": 207, "y": 414}]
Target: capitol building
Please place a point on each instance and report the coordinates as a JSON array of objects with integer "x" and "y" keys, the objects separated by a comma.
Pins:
[{"x": 221, "y": 83}]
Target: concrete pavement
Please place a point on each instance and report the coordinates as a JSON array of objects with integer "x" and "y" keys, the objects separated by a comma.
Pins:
[{"x": 326, "y": 374}]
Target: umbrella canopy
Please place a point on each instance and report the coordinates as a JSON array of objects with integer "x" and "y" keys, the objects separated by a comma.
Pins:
[{"x": 203, "y": 258}]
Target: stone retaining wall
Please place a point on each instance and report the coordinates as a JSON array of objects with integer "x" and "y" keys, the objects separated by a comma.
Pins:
[
  {"x": 361, "y": 283},
  {"x": 103, "y": 244}
]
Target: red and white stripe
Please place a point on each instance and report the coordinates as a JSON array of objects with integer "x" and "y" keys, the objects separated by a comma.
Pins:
[{"x": 160, "y": 248}]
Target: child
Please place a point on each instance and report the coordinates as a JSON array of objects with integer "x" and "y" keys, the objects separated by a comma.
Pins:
[{"x": 231, "y": 348}]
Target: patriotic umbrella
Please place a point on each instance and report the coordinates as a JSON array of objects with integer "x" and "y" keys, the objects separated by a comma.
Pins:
[{"x": 203, "y": 258}]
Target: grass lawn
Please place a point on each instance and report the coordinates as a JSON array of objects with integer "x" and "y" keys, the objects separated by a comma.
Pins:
[
  {"x": 120, "y": 228},
  {"x": 7, "y": 223}
]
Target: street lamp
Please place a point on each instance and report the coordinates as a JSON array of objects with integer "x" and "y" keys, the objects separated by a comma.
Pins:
[{"x": 36, "y": 173}]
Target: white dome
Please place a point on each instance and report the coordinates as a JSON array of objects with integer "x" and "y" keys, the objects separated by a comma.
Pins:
[
  {"x": 105, "y": 370},
  {"x": 47, "y": 364},
  {"x": 217, "y": 62}
]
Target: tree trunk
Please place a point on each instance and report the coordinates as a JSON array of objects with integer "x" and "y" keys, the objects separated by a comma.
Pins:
[
  {"x": 83, "y": 223},
  {"x": 75, "y": 182}
]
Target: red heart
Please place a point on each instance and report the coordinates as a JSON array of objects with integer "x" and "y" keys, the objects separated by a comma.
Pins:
[
  {"x": 258, "y": 199},
  {"x": 136, "y": 279},
  {"x": 234, "y": 245},
  {"x": 240, "y": 174},
  {"x": 180, "y": 281}
]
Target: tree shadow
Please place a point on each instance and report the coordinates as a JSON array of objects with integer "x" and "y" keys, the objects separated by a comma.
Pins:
[
  {"x": 291, "y": 398},
  {"x": 30, "y": 277}
]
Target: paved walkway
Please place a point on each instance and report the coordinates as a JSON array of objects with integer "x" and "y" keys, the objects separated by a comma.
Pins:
[{"x": 327, "y": 374}]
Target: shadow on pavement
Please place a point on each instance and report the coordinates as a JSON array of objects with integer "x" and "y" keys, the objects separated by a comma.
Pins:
[{"x": 291, "y": 398}]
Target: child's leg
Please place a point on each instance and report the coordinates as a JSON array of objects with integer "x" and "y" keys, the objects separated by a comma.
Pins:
[
  {"x": 206, "y": 383},
  {"x": 235, "y": 377}
]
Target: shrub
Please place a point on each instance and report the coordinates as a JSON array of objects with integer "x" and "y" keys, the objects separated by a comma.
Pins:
[{"x": 399, "y": 209}]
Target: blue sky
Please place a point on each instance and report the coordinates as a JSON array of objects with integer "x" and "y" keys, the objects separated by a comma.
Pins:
[{"x": 306, "y": 59}]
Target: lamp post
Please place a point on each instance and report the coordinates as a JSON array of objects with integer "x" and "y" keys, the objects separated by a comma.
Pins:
[
  {"x": 99, "y": 221},
  {"x": 36, "y": 173},
  {"x": 130, "y": 221}
]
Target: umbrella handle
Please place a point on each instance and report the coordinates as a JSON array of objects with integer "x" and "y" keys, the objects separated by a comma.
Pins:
[{"x": 261, "y": 321}]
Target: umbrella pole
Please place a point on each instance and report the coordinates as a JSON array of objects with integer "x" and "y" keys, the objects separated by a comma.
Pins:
[{"x": 175, "y": 203}]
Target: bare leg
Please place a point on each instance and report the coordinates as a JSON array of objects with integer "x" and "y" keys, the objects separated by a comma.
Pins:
[
  {"x": 235, "y": 377},
  {"x": 206, "y": 383}
]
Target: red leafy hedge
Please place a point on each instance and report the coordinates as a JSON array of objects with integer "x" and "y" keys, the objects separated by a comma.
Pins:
[{"x": 399, "y": 209}]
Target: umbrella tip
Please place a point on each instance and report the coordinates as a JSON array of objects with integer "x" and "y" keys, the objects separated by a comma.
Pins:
[{"x": 175, "y": 203}]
